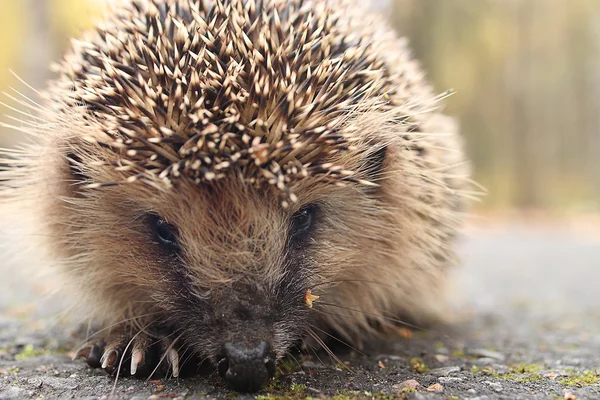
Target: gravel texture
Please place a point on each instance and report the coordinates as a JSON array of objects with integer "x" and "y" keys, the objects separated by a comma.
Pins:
[{"x": 528, "y": 327}]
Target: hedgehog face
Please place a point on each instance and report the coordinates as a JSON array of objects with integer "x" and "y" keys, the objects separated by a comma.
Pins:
[{"x": 236, "y": 262}]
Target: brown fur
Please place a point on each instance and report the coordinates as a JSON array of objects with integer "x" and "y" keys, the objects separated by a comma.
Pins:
[{"x": 376, "y": 251}]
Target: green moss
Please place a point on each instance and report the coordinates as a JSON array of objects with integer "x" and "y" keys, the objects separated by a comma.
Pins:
[
  {"x": 341, "y": 397},
  {"x": 266, "y": 397},
  {"x": 275, "y": 385},
  {"x": 418, "y": 365},
  {"x": 521, "y": 373},
  {"x": 458, "y": 353},
  {"x": 476, "y": 369},
  {"x": 275, "y": 390},
  {"x": 297, "y": 387},
  {"x": 585, "y": 378},
  {"x": 29, "y": 351},
  {"x": 526, "y": 368},
  {"x": 287, "y": 366},
  {"x": 356, "y": 395},
  {"x": 13, "y": 370},
  {"x": 521, "y": 378}
]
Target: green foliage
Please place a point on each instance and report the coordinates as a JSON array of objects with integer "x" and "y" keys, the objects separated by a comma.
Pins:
[{"x": 529, "y": 115}]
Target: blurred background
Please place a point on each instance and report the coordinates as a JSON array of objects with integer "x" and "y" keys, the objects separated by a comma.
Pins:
[{"x": 526, "y": 75}]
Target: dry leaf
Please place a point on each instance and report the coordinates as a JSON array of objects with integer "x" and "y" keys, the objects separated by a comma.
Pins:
[
  {"x": 436, "y": 387},
  {"x": 309, "y": 298},
  {"x": 405, "y": 333},
  {"x": 410, "y": 384}
]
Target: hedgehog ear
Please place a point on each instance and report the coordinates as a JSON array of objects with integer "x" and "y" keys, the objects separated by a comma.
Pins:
[{"x": 374, "y": 163}]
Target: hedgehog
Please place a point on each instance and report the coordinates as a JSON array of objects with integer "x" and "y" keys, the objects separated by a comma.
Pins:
[{"x": 217, "y": 181}]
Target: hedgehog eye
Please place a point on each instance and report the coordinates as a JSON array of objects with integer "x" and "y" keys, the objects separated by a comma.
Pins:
[
  {"x": 165, "y": 233},
  {"x": 303, "y": 222}
]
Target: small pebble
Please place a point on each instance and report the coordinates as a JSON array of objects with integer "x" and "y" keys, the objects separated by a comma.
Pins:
[
  {"x": 496, "y": 386},
  {"x": 450, "y": 379},
  {"x": 36, "y": 383},
  {"x": 486, "y": 353},
  {"x": 436, "y": 387},
  {"x": 441, "y": 358},
  {"x": 484, "y": 361},
  {"x": 389, "y": 357},
  {"x": 409, "y": 384},
  {"x": 445, "y": 371},
  {"x": 314, "y": 365}
]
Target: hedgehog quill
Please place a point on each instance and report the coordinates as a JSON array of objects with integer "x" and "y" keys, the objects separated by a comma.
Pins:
[{"x": 214, "y": 177}]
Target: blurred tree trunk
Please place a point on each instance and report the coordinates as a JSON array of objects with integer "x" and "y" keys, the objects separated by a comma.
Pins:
[
  {"x": 523, "y": 134},
  {"x": 39, "y": 43},
  {"x": 593, "y": 107}
]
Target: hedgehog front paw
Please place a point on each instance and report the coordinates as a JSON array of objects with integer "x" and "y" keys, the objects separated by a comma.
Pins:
[{"x": 140, "y": 356}]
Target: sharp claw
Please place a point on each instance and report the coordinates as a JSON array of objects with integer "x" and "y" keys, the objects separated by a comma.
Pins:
[
  {"x": 174, "y": 361},
  {"x": 109, "y": 358},
  {"x": 136, "y": 359},
  {"x": 96, "y": 351},
  {"x": 82, "y": 353}
]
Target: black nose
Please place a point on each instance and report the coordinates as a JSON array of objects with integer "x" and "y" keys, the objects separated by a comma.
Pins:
[{"x": 247, "y": 369}]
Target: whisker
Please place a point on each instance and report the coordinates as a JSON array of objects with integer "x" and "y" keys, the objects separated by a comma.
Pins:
[
  {"x": 314, "y": 351},
  {"x": 295, "y": 360},
  {"x": 339, "y": 340},
  {"x": 352, "y": 281},
  {"x": 90, "y": 336},
  {"x": 398, "y": 321},
  {"x": 13, "y": 73},
  {"x": 186, "y": 356},
  {"x": 331, "y": 354}
]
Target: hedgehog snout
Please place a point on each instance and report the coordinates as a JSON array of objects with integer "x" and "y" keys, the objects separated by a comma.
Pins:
[{"x": 246, "y": 368}]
